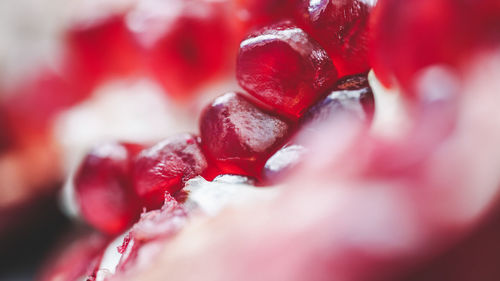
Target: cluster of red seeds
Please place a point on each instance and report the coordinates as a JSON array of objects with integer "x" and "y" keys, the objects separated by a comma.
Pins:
[
  {"x": 289, "y": 66},
  {"x": 285, "y": 72}
]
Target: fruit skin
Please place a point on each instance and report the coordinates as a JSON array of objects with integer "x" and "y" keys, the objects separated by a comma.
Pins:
[
  {"x": 409, "y": 36},
  {"x": 239, "y": 136},
  {"x": 351, "y": 97},
  {"x": 165, "y": 167},
  {"x": 284, "y": 68},
  {"x": 103, "y": 188},
  {"x": 341, "y": 27}
]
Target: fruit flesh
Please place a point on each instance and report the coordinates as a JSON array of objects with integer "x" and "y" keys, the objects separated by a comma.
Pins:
[{"x": 284, "y": 68}]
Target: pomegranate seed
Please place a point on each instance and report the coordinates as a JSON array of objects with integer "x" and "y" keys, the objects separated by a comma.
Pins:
[
  {"x": 429, "y": 32},
  {"x": 352, "y": 95},
  {"x": 259, "y": 13},
  {"x": 239, "y": 136},
  {"x": 341, "y": 28},
  {"x": 188, "y": 45},
  {"x": 103, "y": 48},
  {"x": 166, "y": 166},
  {"x": 285, "y": 68},
  {"x": 103, "y": 188}
]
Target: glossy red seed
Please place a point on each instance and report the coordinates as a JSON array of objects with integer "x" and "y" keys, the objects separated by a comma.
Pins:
[
  {"x": 412, "y": 35},
  {"x": 352, "y": 97},
  {"x": 239, "y": 136},
  {"x": 284, "y": 68},
  {"x": 103, "y": 188},
  {"x": 341, "y": 27},
  {"x": 188, "y": 44},
  {"x": 165, "y": 167},
  {"x": 103, "y": 48}
]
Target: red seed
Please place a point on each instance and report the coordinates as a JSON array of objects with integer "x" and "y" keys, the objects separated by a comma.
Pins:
[
  {"x": 258, "y": 13},
  {"x": 103, "y": 48},
  {"x": 104, "y": 192},
  {"x": 284, "y": 68},
  {"x": 412, "y": 35},
  {"x": 239, "y": 136},
  {"x": 341, "y": 28},
  {"x": 165, "y": 167},
  {"x": 188, "y": 45}
]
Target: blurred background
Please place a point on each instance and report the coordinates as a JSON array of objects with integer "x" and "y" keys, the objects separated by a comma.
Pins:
[{"x": 77, "y": 73}]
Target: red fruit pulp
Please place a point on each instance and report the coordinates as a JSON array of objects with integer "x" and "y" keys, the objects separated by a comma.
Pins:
[
  {"x": 284, "y": 68},
  {"x": 103, "y": 188},
  {"x": 239, "y": 136},
  {"x": 165, "y": 167},
  {"x": 341, "y": 27},
  {"x": 188, "y": 46}
]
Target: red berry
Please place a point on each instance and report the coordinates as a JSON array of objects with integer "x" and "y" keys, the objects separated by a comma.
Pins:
[
  {"x": 166, "y": 166},
  {"x": 239, "y": 136},
  {"x": 103, "y": 188},
  {"x": 352, "y": 96},
  {"x": 188, "y": 45},
  {"x": 340, "y": 26},
  {"x": 285, "y": 68}
]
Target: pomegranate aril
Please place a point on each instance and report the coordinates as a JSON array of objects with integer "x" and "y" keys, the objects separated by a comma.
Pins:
[
  {"x": 103, "y": 48},
  {"x": 284, "y": 68},
  {"x": 341, "y": 27},
  {"x": 165, "y": 167},
  {"x": 104, "y": 190},
  {"x": 258, "y": 13},
  {"x": 351, "y": 97},
  {"x": 188, "y": 45},
  {"x": 429, "y": 32},
  {"x": 239, "y": 136}
]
